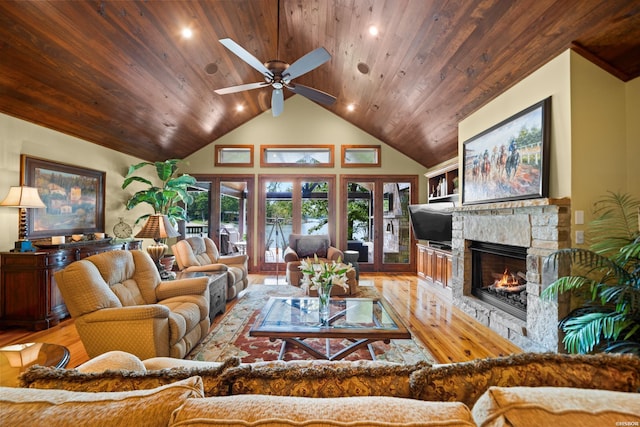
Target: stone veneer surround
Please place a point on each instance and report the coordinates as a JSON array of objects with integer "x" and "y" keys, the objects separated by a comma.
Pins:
[{"x": 540, "y": 225}]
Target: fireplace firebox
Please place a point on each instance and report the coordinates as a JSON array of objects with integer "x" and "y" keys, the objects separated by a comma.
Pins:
[{"x": 499, "y": 276}]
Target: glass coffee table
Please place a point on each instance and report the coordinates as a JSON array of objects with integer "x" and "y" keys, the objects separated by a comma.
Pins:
[{"x": 361, "y": 321}]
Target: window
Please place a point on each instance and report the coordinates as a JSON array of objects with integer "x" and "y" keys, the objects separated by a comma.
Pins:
[
  {"x": 297, "y": 156},
  {"x": 234, "y": 155},
  {"x": 354, "y": 156}
]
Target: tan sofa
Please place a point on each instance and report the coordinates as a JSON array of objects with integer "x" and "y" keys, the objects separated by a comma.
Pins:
[{"x": 520, "y": 390}]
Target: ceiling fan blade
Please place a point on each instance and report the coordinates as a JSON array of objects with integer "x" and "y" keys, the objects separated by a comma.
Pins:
[
  {"x": 243, "y": 54},
  {"x": 240, "y": 88},
  {"x": 277, "y": 102},
  {"x": 307, "y": 63},
  {"x": 311, "y": 93}
]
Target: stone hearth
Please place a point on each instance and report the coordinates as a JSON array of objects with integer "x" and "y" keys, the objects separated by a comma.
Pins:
[{"x": 542, "y": 226}]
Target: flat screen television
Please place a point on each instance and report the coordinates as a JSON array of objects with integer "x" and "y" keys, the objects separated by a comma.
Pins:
[{"x": 432, "y": 222}]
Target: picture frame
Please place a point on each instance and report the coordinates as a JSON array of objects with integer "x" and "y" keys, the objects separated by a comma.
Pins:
[
  {"x": 74, "y": 197},
  {"x": 509, "y": 161}
]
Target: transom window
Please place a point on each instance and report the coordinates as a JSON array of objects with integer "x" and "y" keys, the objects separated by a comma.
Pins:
[{"x": 297, "y": 156}]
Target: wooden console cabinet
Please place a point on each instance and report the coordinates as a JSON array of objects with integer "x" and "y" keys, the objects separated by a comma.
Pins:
[
  {"x": 29, "y": 295},
  {"x": 435, "y": 265}
]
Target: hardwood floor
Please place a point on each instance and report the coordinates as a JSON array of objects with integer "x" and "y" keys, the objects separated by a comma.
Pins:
[{"x": 449, "y": 334}]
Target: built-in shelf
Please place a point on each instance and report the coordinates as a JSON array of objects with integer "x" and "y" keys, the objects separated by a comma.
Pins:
[{"x": 441, "y": 183}]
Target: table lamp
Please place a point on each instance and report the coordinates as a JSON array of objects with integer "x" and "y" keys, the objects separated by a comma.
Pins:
[
  {"x": 23, "y": 197},
  {"x": 22, "y": 355},
  {"x": 158, "y": 228}
]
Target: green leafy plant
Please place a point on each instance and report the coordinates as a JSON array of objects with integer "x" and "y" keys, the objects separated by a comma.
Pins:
[
  {"x": 605, "y": 279},
  {"x": 163, "y": 198}
]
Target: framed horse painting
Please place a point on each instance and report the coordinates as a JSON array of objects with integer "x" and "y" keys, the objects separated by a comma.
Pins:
[{"x": 509, "y": 161}]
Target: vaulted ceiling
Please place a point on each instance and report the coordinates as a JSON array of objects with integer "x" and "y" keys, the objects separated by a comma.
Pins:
[{"x": 119, "y": 73}]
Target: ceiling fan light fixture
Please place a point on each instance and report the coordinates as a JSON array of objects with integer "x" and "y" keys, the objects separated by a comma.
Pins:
[{"x": 279, "y": 74}]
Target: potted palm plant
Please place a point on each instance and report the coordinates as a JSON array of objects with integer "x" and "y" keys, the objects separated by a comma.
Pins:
[
  {"x": 165, "y": 197},
  {"x": 604, "y": 280}
]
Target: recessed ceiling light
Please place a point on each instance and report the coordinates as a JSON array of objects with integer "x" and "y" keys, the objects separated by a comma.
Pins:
[
  {"x": 373, "y": 30},
  {"x": 239, "y": 108},
  {"x": 187, "y": 33},
  {"x": 351, "y": 107}
]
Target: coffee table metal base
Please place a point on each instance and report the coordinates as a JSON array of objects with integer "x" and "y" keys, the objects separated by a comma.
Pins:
[{"x": 357, "y": 344}]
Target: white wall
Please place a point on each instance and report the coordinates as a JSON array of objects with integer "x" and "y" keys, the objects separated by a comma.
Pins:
[
  {"x": 20, "y": 137},
  {"x": 553, "y": 79},
  {"x": 303, "y": 122},
  {"x": 595, "y": 131}
]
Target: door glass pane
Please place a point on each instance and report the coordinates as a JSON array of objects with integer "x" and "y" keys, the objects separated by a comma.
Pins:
[
  {"x": 198, "y": 211},
  {"x": 396, "y": 228},
  {"x": 315, "y": 208},
  {"x": 278, "y": 209},
  {"x": 359, "y": 219},
  {"x": 233, "y": 217}
]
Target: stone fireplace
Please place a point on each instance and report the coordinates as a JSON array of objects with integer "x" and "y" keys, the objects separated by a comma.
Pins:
[
  {"x": 526, "y": 231},
  {"x": 499, "y": 276}
]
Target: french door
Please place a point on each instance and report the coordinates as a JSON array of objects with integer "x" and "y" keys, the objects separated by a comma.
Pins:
[
  {"x": 375, "y": 217},
  {"x": 292, "y": 204},
  {"x": 223, "y": 210}
]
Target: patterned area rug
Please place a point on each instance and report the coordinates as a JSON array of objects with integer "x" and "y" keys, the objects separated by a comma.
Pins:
[{"x": 231, "y": 337}]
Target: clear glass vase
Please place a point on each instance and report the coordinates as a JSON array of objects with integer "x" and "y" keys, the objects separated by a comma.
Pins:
[{"x": 323, "y": 304}]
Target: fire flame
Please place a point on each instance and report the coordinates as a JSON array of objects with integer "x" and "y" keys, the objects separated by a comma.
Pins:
[{"x": 508, "y": 280}]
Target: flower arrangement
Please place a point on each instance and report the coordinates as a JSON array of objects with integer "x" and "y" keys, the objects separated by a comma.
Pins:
[{"x": 321, "y": 275}]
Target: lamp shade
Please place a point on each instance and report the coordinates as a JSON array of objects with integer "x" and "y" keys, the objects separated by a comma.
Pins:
[
  {"x": 23, "y": 197},
  {"x": 157, "y": 227}
]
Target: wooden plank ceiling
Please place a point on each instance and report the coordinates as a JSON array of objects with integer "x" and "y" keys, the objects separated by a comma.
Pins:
[{"x": 119, "y": 74}]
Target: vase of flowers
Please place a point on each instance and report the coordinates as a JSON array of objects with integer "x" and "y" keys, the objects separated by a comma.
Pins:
[
  {"x": 323, "y": 303},
  {"x": 322, "y": 276}
]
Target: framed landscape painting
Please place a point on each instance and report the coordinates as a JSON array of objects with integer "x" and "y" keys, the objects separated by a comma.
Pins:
[
  {"x": 509, "y": 161},
  {"x": 73, "y": 195}
]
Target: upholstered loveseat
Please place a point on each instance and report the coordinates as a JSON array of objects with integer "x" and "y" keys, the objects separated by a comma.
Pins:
[
  {"x": 201, "y": 254},
  {"x": 521, "y": 390}
]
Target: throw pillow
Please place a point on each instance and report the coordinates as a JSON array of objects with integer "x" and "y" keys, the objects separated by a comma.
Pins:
[
  {"x": 555, "y": 406},
  {"x": 319, "y": 378},
  {"x": 28, "y": 407},
  {"x": 114, "y": 360},
  {"x": 308, "y": 247},
  {"x": 122, "y": 380},
  {"x": 467, "y": 381}
]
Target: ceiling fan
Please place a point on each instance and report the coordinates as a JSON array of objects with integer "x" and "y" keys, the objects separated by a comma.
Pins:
[{"x": 279, "y": 74}]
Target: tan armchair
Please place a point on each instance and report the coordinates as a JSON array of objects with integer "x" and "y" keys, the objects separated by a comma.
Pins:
[
  {"x": 302, "y": 246},
  {"x": 201, "y": 254},
  {"x": 119, "y": 303}
]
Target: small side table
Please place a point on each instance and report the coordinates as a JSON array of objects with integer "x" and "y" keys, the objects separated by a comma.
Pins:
[
  {"x": 17, "y": 358},
  {"x": 217, "y": 289},
  {"x": 352, "y": 257}
]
